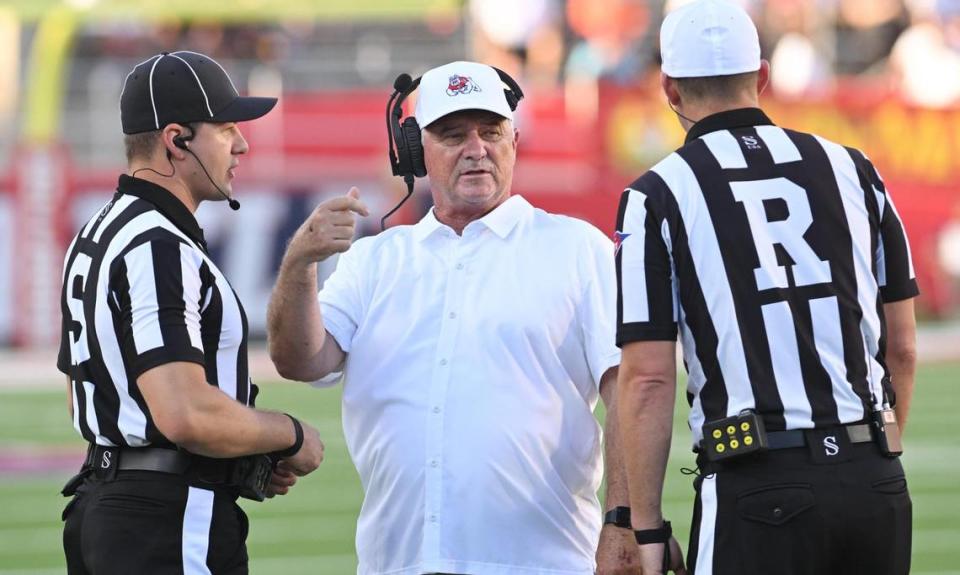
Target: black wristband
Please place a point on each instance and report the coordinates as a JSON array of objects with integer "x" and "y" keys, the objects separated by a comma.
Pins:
[
  {"x": 618, "y": 516},
  {"x": 297, "y": 443},
  {"x": 659, "y": 535}
]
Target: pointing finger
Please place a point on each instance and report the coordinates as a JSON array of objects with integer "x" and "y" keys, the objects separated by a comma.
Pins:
[
  {"x": 357, "y": 205},
  {"x": 345, "y": 203}
]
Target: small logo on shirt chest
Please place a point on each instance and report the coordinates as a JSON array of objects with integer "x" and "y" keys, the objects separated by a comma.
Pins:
[{"x": 751, "y": 143}]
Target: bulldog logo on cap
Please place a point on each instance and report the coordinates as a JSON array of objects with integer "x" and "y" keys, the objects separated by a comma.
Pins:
[
  {"x": 461, "y": 85},
  {"x": 477, "y": 85}
]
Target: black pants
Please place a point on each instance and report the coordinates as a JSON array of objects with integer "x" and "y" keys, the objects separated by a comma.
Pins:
[
  {"x": 144, "y": 522},
  {"x": 793, "y": 512}
]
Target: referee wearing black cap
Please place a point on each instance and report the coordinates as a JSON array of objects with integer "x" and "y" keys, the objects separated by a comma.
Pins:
[
  {"x": 779, "y": 259},
  {"x": 154, "y": 346}
]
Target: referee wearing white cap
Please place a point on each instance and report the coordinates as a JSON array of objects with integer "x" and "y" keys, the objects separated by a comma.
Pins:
[
  {"x": 474, "y": 346},
  {"x": 779, "y": 260},
  {"x": 154, "y": 347}
]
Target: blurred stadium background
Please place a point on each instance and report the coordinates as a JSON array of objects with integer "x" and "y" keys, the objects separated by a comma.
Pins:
[{"x": 881, "y": 75}]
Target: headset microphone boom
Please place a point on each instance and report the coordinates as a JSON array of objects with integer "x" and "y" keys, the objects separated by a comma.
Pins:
[{"x": 181, "y": 142}]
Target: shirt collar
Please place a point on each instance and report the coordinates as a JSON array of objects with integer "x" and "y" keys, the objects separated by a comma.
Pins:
[
  {"x": 727, "y": 120},
  {"x": 165, "y": 203},
  {"x": 501, "y": 220}
]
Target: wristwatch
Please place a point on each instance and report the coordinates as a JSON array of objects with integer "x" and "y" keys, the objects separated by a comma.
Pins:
[{"x": 618, "y": 516}]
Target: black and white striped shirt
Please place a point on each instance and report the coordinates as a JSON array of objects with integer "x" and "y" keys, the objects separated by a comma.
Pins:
[
  {"x": 771, "y": 252},
  {"x": 139, "y": 291}
]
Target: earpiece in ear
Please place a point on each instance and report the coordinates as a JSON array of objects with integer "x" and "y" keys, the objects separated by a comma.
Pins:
[{"x": 180, "y": 142}]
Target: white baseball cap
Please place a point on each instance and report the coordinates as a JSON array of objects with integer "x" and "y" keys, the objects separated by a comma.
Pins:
[
  {"x": 460, "y": 86},
  {"x": 708, "y": 38}
]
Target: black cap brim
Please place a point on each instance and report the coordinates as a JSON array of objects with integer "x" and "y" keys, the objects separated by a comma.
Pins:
[{"x": 244, "y": 108}]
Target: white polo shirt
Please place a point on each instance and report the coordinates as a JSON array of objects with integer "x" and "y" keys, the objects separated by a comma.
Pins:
[{"x": 473, "y": 366}]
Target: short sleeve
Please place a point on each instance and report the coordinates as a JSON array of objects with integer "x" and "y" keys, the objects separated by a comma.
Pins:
[
  {"x": 894, "y": 262},
  {"x": 64, "y": 360},
  {"x": 646, "y": 298},
  {"x": 341, "y": 303},
  {"x": 156, "y": 291},
  {"x": 597, "y": 310}
]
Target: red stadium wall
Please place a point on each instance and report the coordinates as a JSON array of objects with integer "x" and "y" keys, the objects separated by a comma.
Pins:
[{"x": 316, "y": 145}]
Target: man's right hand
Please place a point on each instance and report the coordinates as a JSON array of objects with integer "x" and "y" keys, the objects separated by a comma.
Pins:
[
  {"x": 617, "y": 552},
  {"x": 310, "y": 455},
  {"x": 328, "y": 230}
]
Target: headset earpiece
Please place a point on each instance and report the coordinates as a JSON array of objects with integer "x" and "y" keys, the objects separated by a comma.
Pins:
[
  {"x": 410, "y": 149},
  {"x": 405, "y": 137},
  {"x": 180, "y": 140}
]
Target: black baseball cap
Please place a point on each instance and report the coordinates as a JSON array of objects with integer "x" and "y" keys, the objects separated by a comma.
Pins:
[{"x": 183, "y": 87}]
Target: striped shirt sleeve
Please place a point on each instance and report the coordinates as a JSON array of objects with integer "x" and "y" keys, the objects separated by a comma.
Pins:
[
  {"x": 894, "y": 262},
  {"x": 156, "y": 295},
  {"x": 66, "y": 320},
  {"x": 646, "y": 303}
]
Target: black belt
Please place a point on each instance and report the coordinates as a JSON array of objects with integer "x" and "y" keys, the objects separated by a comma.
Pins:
[
  {"x": 105, "y": 461},
  {"x": 857, "y": 433},
  {"x": 241, "y": 476},
  {"x": 100, "y": 457}
]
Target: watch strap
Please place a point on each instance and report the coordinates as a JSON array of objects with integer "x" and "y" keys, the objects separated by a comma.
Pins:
[
  {"x": 660, "y": 535},
  {"x": 618, "y": 516}
]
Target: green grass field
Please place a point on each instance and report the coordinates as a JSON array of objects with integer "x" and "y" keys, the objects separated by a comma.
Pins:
[{"x": 311, "y": 530}]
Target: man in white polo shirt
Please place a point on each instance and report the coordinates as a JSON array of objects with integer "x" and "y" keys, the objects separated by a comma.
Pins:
[{"x": 474, "y": 346}]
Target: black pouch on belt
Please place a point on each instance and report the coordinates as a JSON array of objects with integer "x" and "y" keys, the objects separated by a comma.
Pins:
[
  {"x": 250, "y": 476},
  {"x": 74, "y": 483}
]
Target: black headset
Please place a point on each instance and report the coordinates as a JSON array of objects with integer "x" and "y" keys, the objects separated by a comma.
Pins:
[
  {"x": 404, "y": 138},
  {"x": 181, "y": 142}
]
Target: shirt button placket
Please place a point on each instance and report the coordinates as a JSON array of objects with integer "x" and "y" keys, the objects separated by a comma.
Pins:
[{"x": 441, "y": 380}]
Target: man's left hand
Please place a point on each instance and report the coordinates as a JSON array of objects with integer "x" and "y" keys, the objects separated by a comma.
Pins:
[
  {"x": 281, "y": 481},
  {"x": 617, "y": 553}
]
